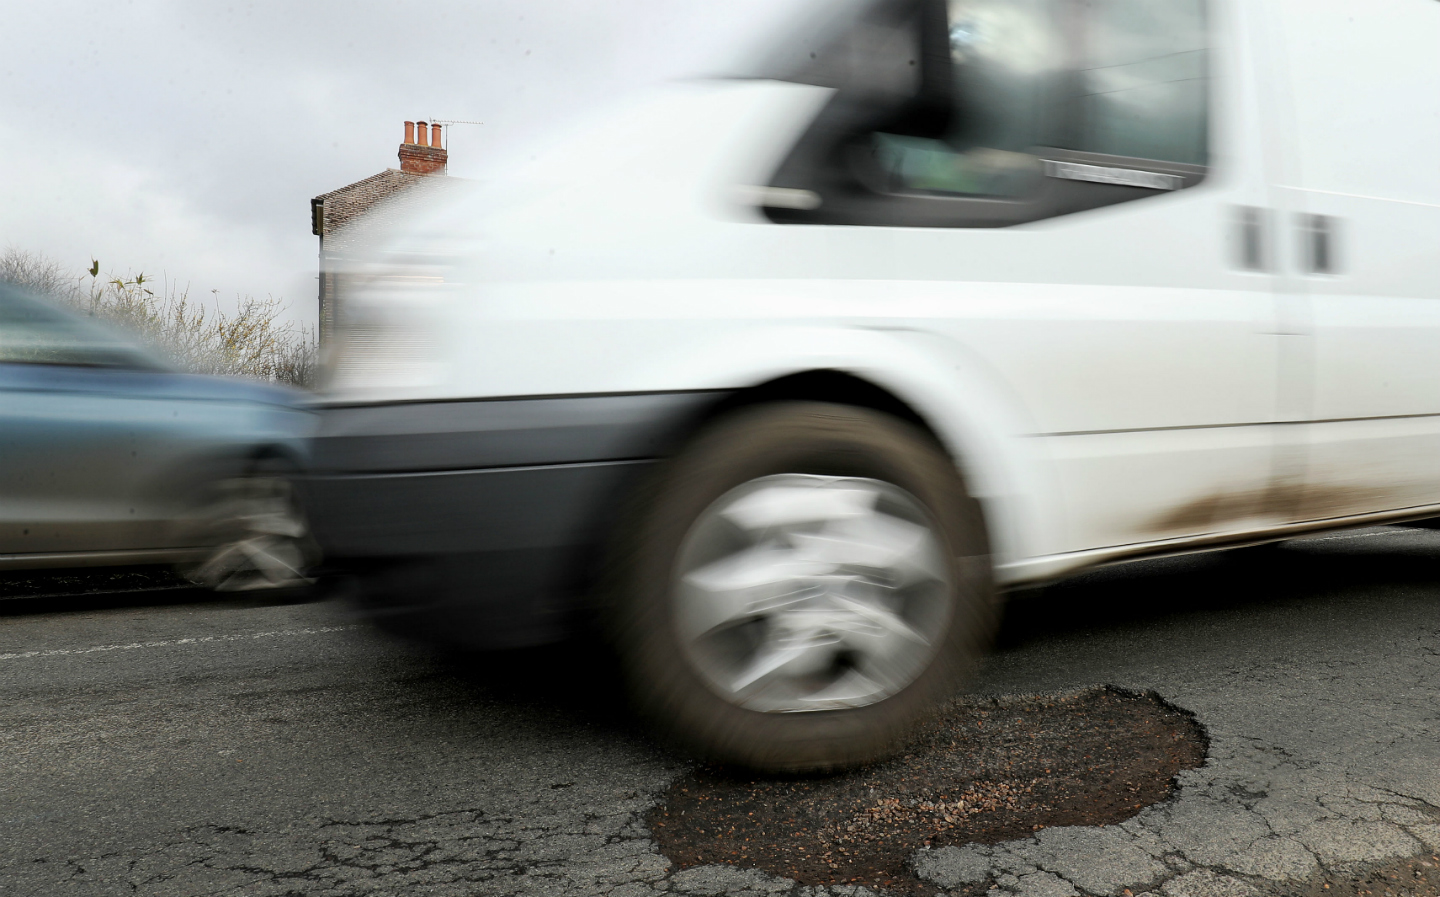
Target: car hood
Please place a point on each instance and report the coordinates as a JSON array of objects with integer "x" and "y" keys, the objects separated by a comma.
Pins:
[
  {"x": 234, "y": 389},
  {"x": 153, "y": 384}
]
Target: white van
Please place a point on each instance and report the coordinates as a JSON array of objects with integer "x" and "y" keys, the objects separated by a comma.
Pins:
[{"x": 788, "y": 377}]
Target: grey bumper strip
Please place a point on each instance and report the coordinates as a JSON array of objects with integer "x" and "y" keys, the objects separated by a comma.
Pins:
[{"x": 479, "y": 434}]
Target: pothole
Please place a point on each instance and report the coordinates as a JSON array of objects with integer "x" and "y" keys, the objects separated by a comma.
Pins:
[
  {"x": 987, "y": 770},
  {"x": 1413, "y": 877}
]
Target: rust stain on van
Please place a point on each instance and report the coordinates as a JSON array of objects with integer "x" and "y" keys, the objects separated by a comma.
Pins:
[
  {"x": 1321, "y": 502},
  {"x": 1286, "y": 502},
  {"x": 1208, "y": 512}
]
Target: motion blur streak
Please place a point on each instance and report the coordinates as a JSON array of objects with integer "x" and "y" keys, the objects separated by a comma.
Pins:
[
  {"x": 112, "y": 456},
  {"x": 1051, "y": 283}
]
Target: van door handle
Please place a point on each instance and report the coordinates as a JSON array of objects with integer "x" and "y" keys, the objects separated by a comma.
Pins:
[
  {"x": 1250, "y": 227},
  {"x": 1317, "y": 241}
]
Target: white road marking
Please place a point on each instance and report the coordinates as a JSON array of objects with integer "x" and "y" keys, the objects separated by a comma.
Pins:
[
  {"x": 1392, "y": 532},
  {"x": 203, "y": 639}
]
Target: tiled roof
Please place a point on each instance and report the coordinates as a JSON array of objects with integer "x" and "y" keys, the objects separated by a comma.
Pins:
[
  {"x": 377, "y": 200},
  {"x": 354, "y": 200}
]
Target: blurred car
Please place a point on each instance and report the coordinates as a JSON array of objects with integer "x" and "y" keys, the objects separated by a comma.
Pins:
[
  {"x": 108, "y": 456},
  {"x": 786, "y": 378}
]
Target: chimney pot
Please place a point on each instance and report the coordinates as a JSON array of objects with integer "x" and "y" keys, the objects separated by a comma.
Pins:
[{"x": 417, "y": 154}]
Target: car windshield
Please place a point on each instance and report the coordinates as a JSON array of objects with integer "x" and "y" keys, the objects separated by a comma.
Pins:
[{"x": 34, "y": 332}]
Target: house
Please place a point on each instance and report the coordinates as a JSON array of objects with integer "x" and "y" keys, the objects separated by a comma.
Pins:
[{"x": 337, "y": 217}]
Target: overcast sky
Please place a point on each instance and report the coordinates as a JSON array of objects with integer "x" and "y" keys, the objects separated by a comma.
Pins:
[{"x": 186, "y": 138}]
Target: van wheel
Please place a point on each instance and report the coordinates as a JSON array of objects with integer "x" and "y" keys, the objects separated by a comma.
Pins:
[{"x": 804, "y": 583}]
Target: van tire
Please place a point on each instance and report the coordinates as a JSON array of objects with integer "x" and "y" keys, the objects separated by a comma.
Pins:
[{"x": 811, "y": 442}]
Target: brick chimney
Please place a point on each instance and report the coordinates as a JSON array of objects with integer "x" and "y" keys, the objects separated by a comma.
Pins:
[{"x": 424, "y": 157}]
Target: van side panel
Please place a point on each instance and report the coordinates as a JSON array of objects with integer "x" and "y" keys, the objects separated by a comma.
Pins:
[{"x": 1362, "y": 235}]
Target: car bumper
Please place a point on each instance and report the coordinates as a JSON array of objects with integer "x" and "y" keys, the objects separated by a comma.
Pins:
[{"x": 480, "y": 523}]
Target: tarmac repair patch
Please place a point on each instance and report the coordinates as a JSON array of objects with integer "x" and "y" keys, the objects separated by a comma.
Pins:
[{"x": 986, "y": 770}]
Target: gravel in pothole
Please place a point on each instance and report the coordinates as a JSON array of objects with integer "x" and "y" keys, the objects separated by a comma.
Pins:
[
  {"x": 986, "y": 770},
  {"x": 1413, "y": 877}
]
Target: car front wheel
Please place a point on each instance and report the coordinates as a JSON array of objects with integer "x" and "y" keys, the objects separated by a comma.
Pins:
[{"x": 257, "y": 534}]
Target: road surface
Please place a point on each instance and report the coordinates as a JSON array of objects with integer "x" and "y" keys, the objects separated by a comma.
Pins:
[{"x": 180, "y": 745}]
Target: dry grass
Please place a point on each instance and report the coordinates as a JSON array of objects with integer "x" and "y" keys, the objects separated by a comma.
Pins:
[{"x": 251, "y": 341}]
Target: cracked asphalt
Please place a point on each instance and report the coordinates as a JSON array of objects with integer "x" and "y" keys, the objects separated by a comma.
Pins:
[{"x": 193, "y": 746}]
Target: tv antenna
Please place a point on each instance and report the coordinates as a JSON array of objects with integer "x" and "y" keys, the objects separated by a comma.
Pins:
[{"x": 447, "y": 122}]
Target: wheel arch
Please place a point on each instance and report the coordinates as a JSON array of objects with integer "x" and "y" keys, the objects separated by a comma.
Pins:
[
  {"x": 971, "y": 436},
  {"x": 841, "y": 387},
  {"x": 263, "y": 452}
]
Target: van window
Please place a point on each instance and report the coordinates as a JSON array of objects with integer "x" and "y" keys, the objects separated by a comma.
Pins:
[
  {"x": 1008, "y": 62},
  {"x": 1115, "y": 77},
  {"x": 1143, "y": 80},
  {"x": 1023, "y": 110}
]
